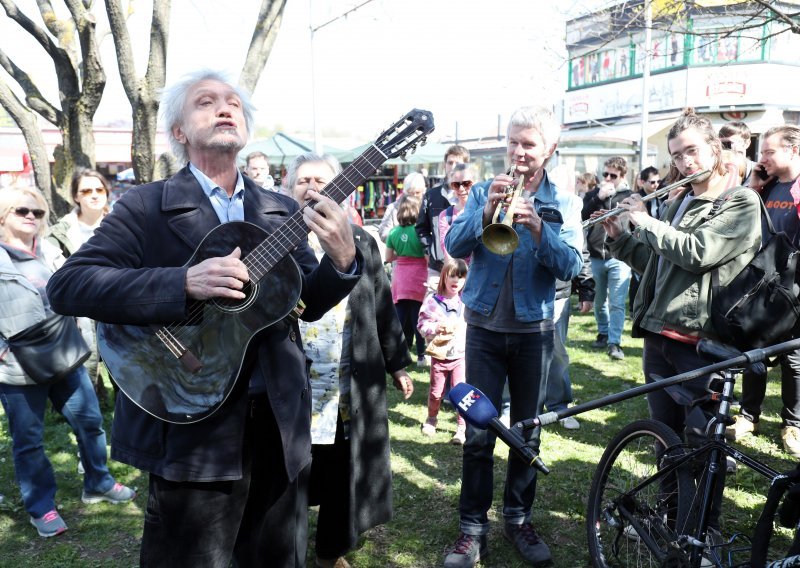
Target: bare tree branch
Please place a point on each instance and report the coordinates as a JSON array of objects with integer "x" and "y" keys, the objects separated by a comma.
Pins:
[
  {"x": 264, "y": 33},
  {"x": 788, "y": 19},
  {"x": 33, "y": 96},
  {"x": 26, "y": 121},
  {"x": 58, "y": 54},
  {"x": 122, "y": 45}
]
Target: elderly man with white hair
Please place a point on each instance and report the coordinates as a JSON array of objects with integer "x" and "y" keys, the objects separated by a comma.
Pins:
[{"x": 223, "y": 489}]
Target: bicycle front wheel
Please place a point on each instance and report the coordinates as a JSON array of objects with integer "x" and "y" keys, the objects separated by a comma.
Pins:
[{"x": 634, "y": 516}]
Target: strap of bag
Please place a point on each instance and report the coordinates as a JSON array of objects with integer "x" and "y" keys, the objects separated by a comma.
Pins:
[{"x": 715, "y": 207}]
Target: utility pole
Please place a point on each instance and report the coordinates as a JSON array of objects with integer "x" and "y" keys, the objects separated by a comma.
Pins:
[{"x": 648, "y": 32}]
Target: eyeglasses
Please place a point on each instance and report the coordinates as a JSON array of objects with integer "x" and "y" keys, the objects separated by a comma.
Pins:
[
  {"x": 24, "y": 212},
  {"x": 90, "y": 190},
  {"x": 690, "y": 152},
  {"x": 654, "y": 181},
  {"x": 455, "y": 185},
  {"x": 610, "y": 175}
]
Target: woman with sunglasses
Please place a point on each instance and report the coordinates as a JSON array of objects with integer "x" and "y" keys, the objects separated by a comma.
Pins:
[
  {"x": 462, "y": 178},
  {"x": 27, "y": 262},
  {"x": 90, "y": 191}
]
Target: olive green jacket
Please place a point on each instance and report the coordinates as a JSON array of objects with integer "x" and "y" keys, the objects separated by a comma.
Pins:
[{"x": 678, "y": 294}]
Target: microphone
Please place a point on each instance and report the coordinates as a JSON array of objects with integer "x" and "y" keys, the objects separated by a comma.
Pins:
[{"x": 478, "y": 410}]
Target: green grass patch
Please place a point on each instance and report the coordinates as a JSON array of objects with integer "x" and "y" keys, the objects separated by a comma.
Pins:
[{"x": 427, "y": 474}]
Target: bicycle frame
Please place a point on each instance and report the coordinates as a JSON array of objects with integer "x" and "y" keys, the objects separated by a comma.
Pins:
[{"x": 713, "y": 450}]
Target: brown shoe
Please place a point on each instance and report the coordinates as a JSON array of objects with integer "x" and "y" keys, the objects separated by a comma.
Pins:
[
  {"x": 791, "y": 440},
  {"x": 332, "y": 563},
  {"x": 741, "y": 428}
]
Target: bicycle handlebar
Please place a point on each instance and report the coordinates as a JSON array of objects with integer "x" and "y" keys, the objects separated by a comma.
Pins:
[{"x": 710, "y": 348}]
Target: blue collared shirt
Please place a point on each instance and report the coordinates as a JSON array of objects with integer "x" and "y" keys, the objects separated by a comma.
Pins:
[{"x": 227, "y": 208}]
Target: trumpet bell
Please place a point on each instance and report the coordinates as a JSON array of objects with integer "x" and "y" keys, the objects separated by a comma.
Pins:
[{"x": 500, "y": 238}]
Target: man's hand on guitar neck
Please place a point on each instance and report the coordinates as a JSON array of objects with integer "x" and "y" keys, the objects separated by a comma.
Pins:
[
  {"x": 220, "y": 277},
  {"x": 329, "y": 222}
]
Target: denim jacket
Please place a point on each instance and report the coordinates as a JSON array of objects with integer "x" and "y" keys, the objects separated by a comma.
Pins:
[{"x": 535, "y": 267}]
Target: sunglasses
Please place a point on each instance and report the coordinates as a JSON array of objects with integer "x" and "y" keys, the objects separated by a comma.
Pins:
[
  {"x": 654, "y": 181},
  {"x": 610, "y": 175},
  {"x": 90, "y": 190},
  {"x": 726, "y": 144},
  {"x": 455, "y": 185},
  {"x": 24, "y": 211}
]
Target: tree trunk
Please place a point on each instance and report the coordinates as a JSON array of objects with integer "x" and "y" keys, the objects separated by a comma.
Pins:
[{"x": 143, "y": 94}]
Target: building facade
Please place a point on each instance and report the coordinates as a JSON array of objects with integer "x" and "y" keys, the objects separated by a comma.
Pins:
[{"x": 726, "y": 60}]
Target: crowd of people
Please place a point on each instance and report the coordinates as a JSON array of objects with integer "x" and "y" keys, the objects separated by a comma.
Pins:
[{"x": 306, "y": 423}]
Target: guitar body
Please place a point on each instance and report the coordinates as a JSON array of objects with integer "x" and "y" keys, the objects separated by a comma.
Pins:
[
  {"x": 216, "y": 336},
  {"x": 183, "y": 372}
]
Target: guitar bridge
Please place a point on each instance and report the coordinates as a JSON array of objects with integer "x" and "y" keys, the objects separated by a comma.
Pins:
[{"x": 188, "y": 360}]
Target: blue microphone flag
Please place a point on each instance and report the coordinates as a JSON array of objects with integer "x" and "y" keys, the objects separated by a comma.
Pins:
[{"x": 473, "y": 405}]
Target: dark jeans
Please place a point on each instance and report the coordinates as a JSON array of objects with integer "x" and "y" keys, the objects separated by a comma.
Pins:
[
  {"x": 754, "y": 389},
  {"x": 491, "y": 357},
  {"x": 25, "y": 408},
  {"x": 254, "y": 521},
  {"x": 408, "y": 314},
  {"x": 666, "y": 357}
]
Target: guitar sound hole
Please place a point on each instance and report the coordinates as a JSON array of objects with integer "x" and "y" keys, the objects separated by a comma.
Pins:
[{"x": 232, "y": 306}]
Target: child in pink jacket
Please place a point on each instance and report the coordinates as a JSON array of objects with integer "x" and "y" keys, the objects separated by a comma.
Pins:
[{"x": 441, "y": 322}]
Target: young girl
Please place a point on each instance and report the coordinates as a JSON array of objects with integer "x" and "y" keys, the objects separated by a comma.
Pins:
[
  {"x": 410, "y": 272},
  {"x": 441, "y": 321}
]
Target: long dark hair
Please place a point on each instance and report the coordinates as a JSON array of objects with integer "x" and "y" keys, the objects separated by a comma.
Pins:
[{"x": 690, "y": 119}]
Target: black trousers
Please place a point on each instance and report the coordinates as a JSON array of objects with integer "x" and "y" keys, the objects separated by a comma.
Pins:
[
  {"x": 329, "y": 487},
  {"x": 253, "y": 521},
  {"x": 754, "y": 390}
]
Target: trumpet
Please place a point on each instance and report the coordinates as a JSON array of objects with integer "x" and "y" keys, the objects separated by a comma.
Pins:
[
  {"x": 655, "y": 195},
  {"x": 500, "y": 237}
]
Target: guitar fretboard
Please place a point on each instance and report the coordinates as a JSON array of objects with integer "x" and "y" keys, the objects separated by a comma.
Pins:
[{"x": 286, "y": 237}]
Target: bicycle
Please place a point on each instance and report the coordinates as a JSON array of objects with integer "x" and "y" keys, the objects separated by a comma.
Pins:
[{"x": 652, "y": 494}]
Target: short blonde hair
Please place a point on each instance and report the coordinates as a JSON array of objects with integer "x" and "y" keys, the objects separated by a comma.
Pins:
[{"x": 10, "y": 198}]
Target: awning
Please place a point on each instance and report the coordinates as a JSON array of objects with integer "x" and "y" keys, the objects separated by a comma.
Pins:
[
  {"x": 281, "y": 149},
  {"x": 430, "y": 153},
  {"x": 628, "y": 133}
]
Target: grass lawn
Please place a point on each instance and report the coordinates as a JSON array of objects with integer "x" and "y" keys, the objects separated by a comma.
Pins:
[{"x": 426, "y": 480}]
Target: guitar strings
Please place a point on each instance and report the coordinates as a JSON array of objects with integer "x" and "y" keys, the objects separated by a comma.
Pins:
[{"x": 261, "y": 259}]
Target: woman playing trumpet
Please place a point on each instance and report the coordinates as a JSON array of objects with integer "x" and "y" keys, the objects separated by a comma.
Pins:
[{"x": 676, "y": 255}]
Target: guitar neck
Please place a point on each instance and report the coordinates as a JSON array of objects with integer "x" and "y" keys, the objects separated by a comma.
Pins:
[{"x": 286, "y": 237}]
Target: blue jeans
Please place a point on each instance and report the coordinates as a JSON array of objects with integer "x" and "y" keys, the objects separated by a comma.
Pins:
[
  {"x": 25, "y": 406},
  {"x": 611, "y": 280},
  {"x": 491, "y": 357},
  {"x": 559, "y": 387}
]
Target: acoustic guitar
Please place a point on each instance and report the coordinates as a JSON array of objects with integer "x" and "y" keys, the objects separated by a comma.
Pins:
[{"x": 199, "y": 359}]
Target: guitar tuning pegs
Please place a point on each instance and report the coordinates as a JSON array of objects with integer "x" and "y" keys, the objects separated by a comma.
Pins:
[
  {"x": 423, "y": 141},
  {"x": 403, "y": 155}
]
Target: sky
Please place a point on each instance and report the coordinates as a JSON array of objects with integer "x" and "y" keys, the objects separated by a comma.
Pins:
[{"x": 470, "y": 62}]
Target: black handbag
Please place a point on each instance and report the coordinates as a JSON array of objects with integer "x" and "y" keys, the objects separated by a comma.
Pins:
[
  {"x": 760, "y": 306},
  {"x": 51, "y": 349}
]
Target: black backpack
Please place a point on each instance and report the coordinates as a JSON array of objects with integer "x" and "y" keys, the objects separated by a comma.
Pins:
[{"x": 760, "y": 306}]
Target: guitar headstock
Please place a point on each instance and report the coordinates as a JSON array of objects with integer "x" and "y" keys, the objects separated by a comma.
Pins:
[{"x": 406, "y": 134}]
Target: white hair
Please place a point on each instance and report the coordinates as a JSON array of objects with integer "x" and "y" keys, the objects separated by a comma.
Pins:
[
  {"x": 290, "y": 179},
  {"x": 540, "y": 119},
  {"x": 173, "y": 99}
]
